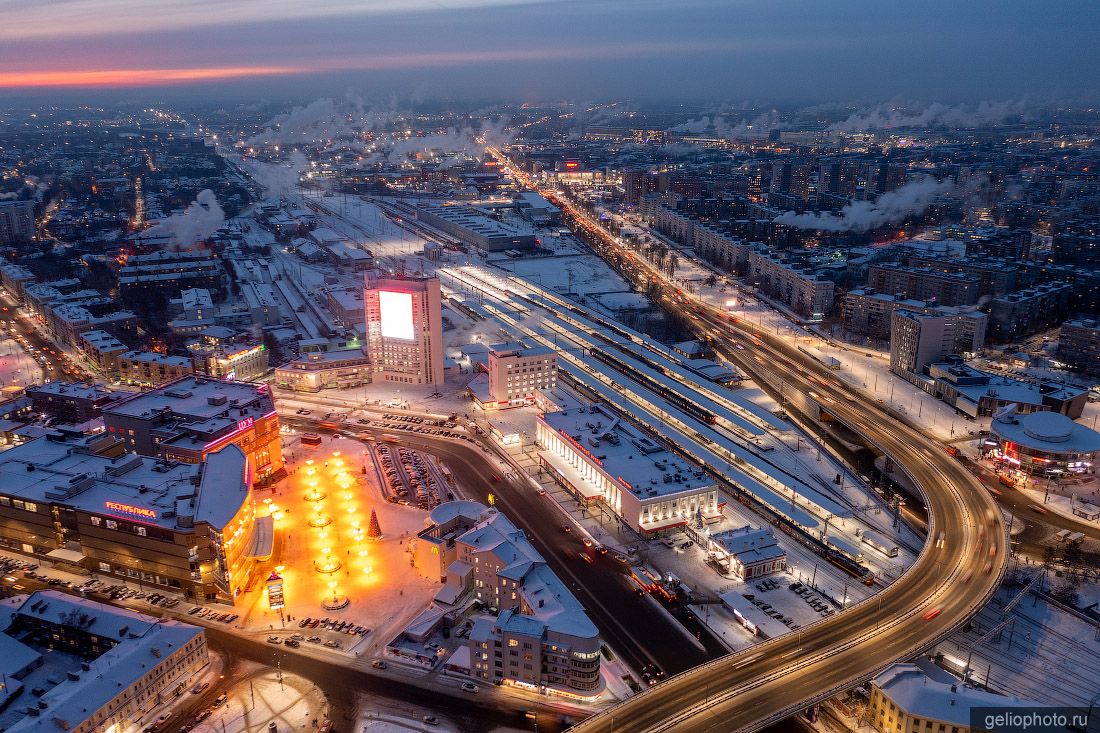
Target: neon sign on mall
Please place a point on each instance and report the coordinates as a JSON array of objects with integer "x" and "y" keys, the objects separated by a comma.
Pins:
[{"x": 135, "y": 511}]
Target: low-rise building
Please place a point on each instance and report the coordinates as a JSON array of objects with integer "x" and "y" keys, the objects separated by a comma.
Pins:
[
  {"x": 598, "y": 456},
  {"x": 1042, "y": 443},
  {"x": 748, "y": 552},
  {"x": 131, "y": 663},
  {"x": 223, "y": 353},
  {"x": 976, "y": 393},
  {"x": 73, "y": 402},
  {"x": 905, "y": 699},
  {"x": 151, "y": 369},
  {"x": 475, "y": 228},
  {"x": 333, "y": 365},
  {"x": 540, "y": 636}
]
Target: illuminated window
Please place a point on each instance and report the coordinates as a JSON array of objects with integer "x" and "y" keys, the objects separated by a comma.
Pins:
[{"x": 513, "y": 642}]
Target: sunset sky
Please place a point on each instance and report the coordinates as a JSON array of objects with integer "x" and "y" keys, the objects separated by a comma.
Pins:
[{"x": 687, "y": 49}]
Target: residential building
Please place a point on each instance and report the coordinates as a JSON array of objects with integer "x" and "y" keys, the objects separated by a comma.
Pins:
[
  {"x": 599, "y": 457},
  {"x": 1028, "y": 311},
  {"x": 867, "y": 312},
  {"x": 1079, "y": 345},
  {"x": 721, "y": 248},
  {"x": 128, "y": 664},
  {"x": 404, "y": 329},
  {"x": 175, "y": 526},
  {"x": 73, "y": 402},
  {"x": 16, "y": 221},
  {"x": 192, "y": 417},
  {"x": 540, "y": 637},
  {"x": 925, "y": 283},
  {"x": 801, "y": 289},
  {"x": 152, "y": 369}
]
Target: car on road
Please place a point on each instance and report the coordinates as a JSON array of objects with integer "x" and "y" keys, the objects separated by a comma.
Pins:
[
  {"x": 274, "y": 640},
  {"x": 541, "y": 492},
  {"x": 587, "y": 541},
  {"x": 469, "y": 687},
  {"x": 203, "y": 715},
  {"x": 200, "y": 688},
  {"x": 378, "y": 664},
  {"x": 931, "y": 613},
  {"x": 292, "y": 643},
  {"x": 496, "y": 479},
  {"x": 566, "y": 528},
  {"x": 219, "y": 700},
  {"x": 430, "y": 720}
]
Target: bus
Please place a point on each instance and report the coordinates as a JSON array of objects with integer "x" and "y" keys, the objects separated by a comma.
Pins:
[
  {"x": 390, "y": 439},
  {"x": 880, "y": 543},
  {"x": 329, "y": 425},
  {"x": 311, "y": 439}
]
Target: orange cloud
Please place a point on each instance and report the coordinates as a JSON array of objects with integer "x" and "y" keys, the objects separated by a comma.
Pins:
[{"x": 133, "y": 77}]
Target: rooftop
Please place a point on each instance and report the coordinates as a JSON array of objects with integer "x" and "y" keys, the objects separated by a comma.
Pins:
[
  {"x": 198, "y": 398},
  {"x": 1051, "y": 432},
  {"x": 637, "y": 461},
  {"x": 141, "y": 644},
  {"x": 920, "y": 696},
  {"x": 50, "y": 470}
]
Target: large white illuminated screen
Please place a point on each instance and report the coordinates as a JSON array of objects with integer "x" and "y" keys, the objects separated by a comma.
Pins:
[{"x": 397, "y": 315}]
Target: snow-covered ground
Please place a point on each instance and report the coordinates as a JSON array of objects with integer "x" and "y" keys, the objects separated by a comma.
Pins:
[
  {"x": 17, "y": 366},
  {"x": 261, "y": 696},
  {"x": 1045, "y": 654}
]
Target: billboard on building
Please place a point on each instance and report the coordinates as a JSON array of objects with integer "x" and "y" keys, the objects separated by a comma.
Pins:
[{"x": 396, "y": 312}]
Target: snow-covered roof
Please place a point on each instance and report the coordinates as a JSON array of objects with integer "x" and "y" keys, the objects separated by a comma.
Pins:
[
  {"x": 142, "y": 642},
  {"x": 626, "y": 454},
  {"x": 130, "y": 487},
  {"x": 1049, "y": 432},
  {"x": 920, "y": 696},
  {"x": 552, "y": 607}
]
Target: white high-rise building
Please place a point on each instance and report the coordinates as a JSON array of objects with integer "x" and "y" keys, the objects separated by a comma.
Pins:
[{"x": 404, "y": 329}]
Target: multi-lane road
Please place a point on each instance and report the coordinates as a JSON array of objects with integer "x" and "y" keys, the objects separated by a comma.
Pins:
[
  {"x": 634, "y": 626},
  {"x": 952, "y": 578}
]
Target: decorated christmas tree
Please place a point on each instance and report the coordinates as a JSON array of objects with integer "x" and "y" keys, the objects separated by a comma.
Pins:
[{"x": 374, "y": 531}]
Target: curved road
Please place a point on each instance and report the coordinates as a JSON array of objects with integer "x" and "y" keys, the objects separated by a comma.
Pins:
[{"x": 952, "y": 578}]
